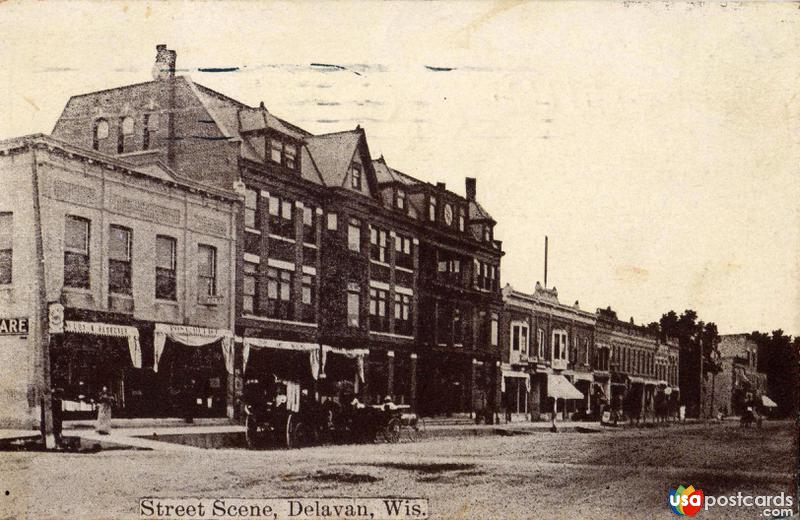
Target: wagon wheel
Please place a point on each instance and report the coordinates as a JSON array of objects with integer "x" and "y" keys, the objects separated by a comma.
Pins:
[
  {"x": 391, "y": 432},
  {"x": 251, "y": 432},
  {"x": 297, "y": 434}
]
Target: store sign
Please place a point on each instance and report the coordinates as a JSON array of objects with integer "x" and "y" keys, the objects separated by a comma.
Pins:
[{"x": 14, "y": 326}]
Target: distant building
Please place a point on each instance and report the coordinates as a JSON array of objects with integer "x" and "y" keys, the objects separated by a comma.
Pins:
[
  {"x": 633, "y": 365},
  {"x": 548, "y": 350},
  {"x": 728, "y": 390},
  {"x": 138, "y": 264}
]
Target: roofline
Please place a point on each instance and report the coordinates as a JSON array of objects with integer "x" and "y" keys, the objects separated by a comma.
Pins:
[{"x": 31, "y": 140}]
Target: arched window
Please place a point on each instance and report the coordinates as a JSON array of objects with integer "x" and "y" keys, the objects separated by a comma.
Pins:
[
  {"x": 99, "y": 132},
  {"x": 125, "y": 128}
]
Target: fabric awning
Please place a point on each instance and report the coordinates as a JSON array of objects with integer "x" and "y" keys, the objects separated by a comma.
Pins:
[
  {"x": 636, "y": 380},
  {"x": 107, "y": 329},
  {"x": 352, "y": 353},
  {"x": 297, "y": 346},
  {"x": 559, "y": 388},
  {"x": 193, "y": 337},
  {"x": 769, "y": 403},
  {"x": 519, "y": 374}
]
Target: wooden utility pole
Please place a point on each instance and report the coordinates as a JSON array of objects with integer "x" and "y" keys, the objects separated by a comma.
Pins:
[{"x": 41, "y": 332}]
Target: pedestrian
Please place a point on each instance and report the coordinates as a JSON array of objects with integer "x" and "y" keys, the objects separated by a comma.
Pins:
[{"x": 104, "y": 400}]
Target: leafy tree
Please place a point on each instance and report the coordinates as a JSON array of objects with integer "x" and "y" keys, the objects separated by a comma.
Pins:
[{"x": 778, "y": 357}]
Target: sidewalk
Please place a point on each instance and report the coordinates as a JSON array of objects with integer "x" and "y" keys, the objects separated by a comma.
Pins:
[{"x": 152, "y": 434}]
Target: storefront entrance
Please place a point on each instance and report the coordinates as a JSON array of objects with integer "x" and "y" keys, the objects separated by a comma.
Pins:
[{"x": 193, "y": 380}]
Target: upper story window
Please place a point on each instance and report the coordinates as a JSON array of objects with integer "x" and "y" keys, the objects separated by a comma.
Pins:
[
  {"x": 76, "y": 252},
  {"x": 6, "y": 246},
  {"x": 119, "y": 260},
  {"x": 165, "y": 268},
  {"x": 400, "y": 199},
  {"x": 333, "y": 222},
  {"x": 403, "y": 257},
  {"x": 149, "y": 127},
  {"x": 290, "y": 152},
  {"x": 308, "y": 298},
  {"x": 284, "y": 153},
  {"x": 206, "y": 270},
  {"x": 354, "y": 235},
  {"x": 378, "y": 309},
  {"x": 487, "y": 234},
  {"x": 355, "y": 176},
  {"x": 432, "y": 208},
  {"x": 251, "y": 219},
  {"x": 378, "y": 239},
  {"x": 461, "y": 218},
  {"x": 99, "y": 133},
  {"x": 494, "y": 331},
  {"x": 560, "y": 339},
  {"x": 276, "y": 150},
  {"x": 402, "y": 314},
  {"x": 353, "y": 304},
  {"x": 251, "y": 208},
  {"x": 281, "y": 212},
  {"x": 309, "y": 225},
  {"x": 249, "y": 288},
  {"x": 125, "y": 130},
  {"x": 279, "y": 293},
  {"x": 519, "y": 338}
]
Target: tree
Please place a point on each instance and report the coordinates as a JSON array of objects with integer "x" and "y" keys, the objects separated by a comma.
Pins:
[
  {"x": 778, "y": 357},
  {"x": 699, "y": 356}
]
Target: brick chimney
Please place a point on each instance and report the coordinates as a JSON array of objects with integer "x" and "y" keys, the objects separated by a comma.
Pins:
[
  {"x": 441, "y": 186},
  {"x": 470, "y": 188},
  {"x": 164, "y": 67}
]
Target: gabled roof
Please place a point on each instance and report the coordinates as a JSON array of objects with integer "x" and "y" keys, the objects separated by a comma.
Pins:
[
  {"x": 387, "y": 174},
  {"x": 477, "y": 213},
  {"x": 332, "y": 154}
]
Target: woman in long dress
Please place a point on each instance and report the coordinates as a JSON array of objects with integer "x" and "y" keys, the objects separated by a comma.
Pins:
[{"x": 104, "y": 400}]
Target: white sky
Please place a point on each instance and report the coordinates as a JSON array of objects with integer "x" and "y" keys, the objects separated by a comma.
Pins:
[{"x": 657, "y": 145}]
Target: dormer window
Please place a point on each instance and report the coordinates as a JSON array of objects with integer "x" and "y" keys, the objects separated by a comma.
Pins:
[
  {"x": 400, "y": 199},
  {"x": 276, "y": 150},
  {"x": 432, "y": 209},
  {"x": 290, "y": 151},
  {"x": 125, "y": 129},
  {"x": 99, "y": 132},
  {"x": 487, "y": 234},
  {"x": 355, "y": 176},
  {"x": 461, "y": 219}
]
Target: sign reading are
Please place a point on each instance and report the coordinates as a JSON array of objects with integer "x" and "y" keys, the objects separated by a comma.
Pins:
[{"x": 14, "y": 326}]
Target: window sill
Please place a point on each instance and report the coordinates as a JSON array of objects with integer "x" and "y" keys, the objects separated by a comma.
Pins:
[
  {"x": 167, "y": 302},
  {"x": 378, "y": 262},
  {"x": 283, "y": 239},
  {"x": 311, "y": 246},
  {"x": 252, "y": 230},
  {"x": 276, "y": 320},
  {"x": 404, "y": 269},
  {"x": 78, "y": 290},
  {"x": 391, "y": 335}
]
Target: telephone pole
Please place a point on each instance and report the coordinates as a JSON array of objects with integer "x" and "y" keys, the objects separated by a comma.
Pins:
[{"x": 41, "y": 333}]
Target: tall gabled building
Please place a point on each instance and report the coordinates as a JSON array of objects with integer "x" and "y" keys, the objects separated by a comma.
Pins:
[{"x": 334, "y": 249}]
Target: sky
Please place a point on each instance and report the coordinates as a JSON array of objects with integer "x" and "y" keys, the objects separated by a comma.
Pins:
[{"x": 655, "y": 144}]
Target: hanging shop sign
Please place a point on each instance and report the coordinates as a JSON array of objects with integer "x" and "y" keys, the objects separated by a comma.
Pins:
[{"x": 14, "y": 327}]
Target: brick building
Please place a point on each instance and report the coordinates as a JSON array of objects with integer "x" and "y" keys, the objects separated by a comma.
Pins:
[
  {"x": 138, "y": 275},
  {"x": 336, "y": 250}
]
